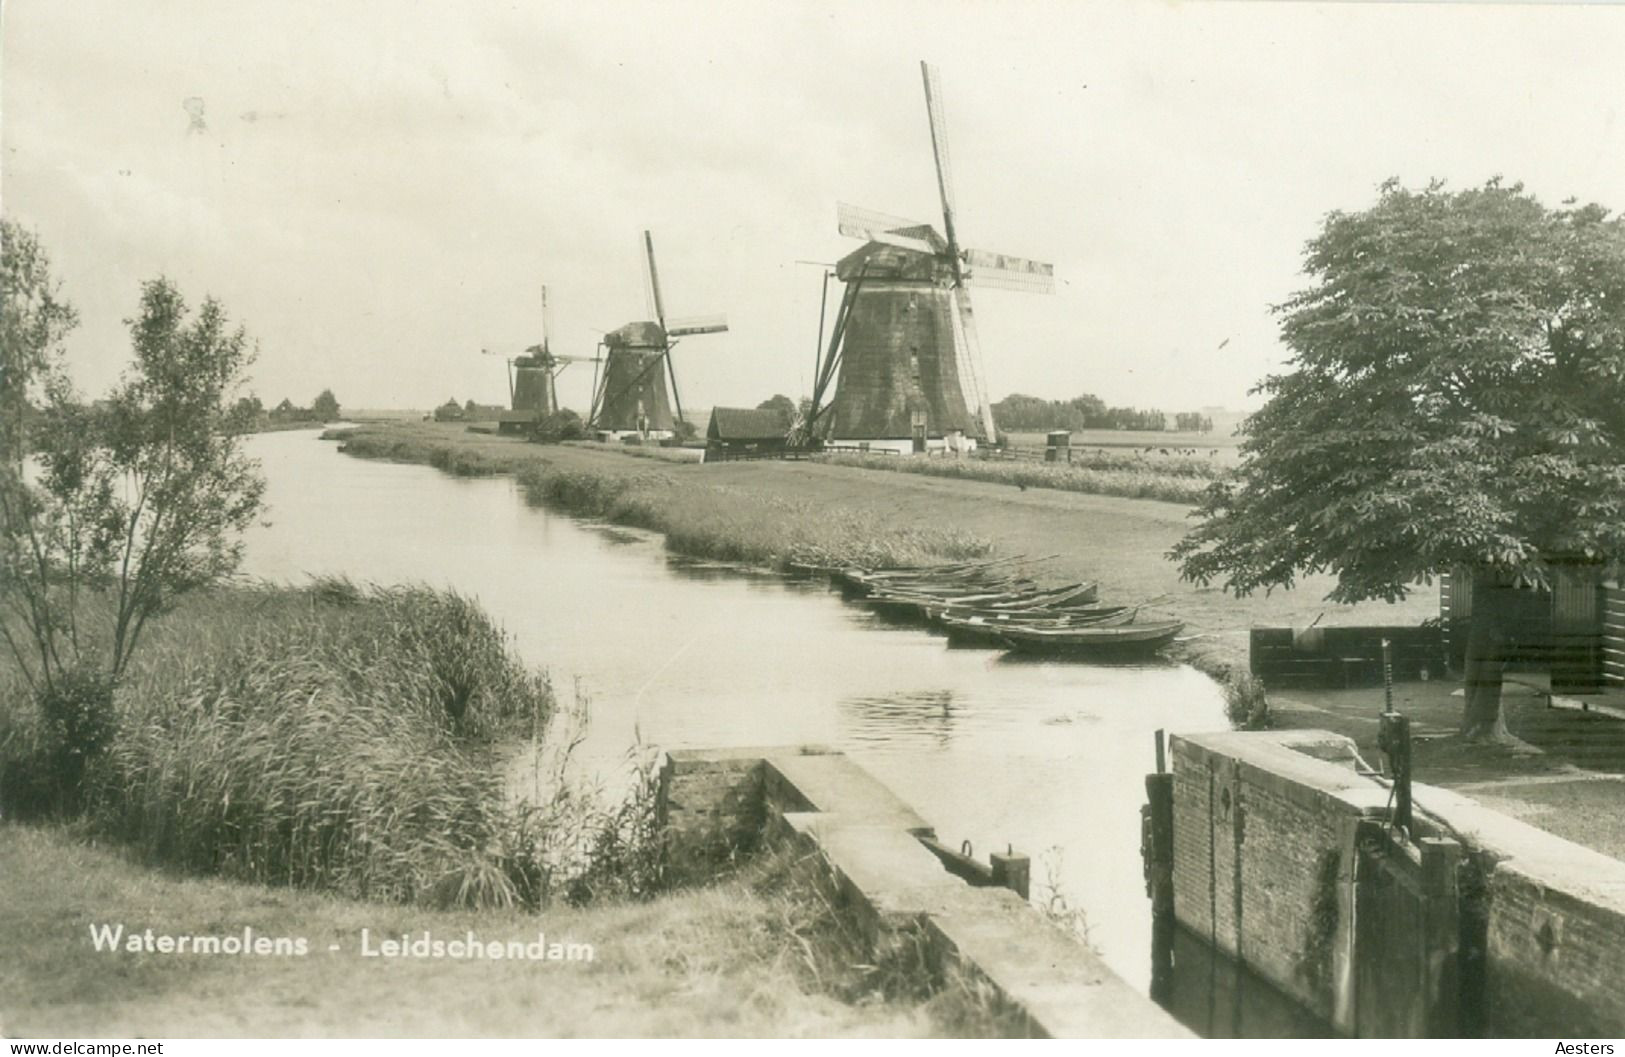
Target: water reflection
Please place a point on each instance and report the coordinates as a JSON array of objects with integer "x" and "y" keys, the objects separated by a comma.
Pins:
[
  {"x": 1217, "y": 998},
  {"x": 920, "y": 719}
]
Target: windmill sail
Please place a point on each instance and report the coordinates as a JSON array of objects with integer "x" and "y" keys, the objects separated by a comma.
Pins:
[
  {"x": 1009, "y": 273},
  {"x": 875, "y": 226}
]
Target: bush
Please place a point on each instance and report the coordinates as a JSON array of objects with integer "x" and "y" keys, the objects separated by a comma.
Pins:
[
  {"x": 561, "y": 425},
  {"x": 78, "y": 723},
  {"x": 49, "y": 737},
  {"x": 1246, "y": 705}
]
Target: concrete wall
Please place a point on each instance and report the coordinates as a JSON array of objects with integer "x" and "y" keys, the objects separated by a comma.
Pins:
[
  {"x": 1263, "y": 852},
  {"x": 715, "y": 805}
]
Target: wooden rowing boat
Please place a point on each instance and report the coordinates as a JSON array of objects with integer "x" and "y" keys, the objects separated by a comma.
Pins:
[
  {"x": 1127, "y": 640},
  {"x": 915, "y": 604},
  {"x": 988, "y": 631}
]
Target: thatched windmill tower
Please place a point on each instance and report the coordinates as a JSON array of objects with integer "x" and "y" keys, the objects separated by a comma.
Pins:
[
  {"x": 903, "y": 355},
  {"x": 631, "y": 394}
]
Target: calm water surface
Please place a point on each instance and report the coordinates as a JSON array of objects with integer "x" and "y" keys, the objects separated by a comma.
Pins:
[{"x": 1047, "y": 757}]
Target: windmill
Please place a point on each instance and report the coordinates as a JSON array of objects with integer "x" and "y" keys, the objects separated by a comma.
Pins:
[
  {"x": 533, "y": 377},
  {"x": 631, "y": 394},
  {"x": 903, "y": 353}
]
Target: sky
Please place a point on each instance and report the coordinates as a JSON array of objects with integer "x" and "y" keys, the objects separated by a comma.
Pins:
[{"x": 378, "y": 190}]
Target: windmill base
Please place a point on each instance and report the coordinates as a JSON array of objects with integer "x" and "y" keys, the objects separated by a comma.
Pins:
[
  {"x": 959, "y": 445},
  {"x": 618, "y": 436}
]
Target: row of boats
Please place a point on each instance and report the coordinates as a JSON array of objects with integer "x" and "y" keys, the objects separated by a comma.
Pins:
[{"x": 993, "y": 603}]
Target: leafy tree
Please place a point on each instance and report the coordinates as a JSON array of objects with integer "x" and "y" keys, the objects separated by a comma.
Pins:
[
  {"x": 248, "y": 410},
  {"x": 1456, "y": 403},
  {"x": 780, "y": 403},
  {"x": 326, "y": 406},
  {"x": 134, "y": 500},
  {"x": 34, "y": 322}
]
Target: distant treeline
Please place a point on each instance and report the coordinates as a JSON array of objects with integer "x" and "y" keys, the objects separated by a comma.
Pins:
[
  {"x": 1021, "y": 412},
  {"x": 325, "y": 408}
]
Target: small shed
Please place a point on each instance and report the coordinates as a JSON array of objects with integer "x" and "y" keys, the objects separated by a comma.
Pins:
[
  {"x": 1576, "y": 627},
  {"x": 516, "y": 421},
  {"x": 738, "y": 429}
]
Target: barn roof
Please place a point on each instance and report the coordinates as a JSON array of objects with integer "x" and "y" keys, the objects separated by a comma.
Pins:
[{"x": 739, "y": 423}]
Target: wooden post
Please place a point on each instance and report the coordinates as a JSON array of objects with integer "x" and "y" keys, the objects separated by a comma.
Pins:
[
  {"x": 1012, "y": 871},
  {"x": 1441, "y": 939},
  {"x": 1162, "y": 752},
  {"x": 1159, "y": 875},
  {"x": 1394, "y": 739}
]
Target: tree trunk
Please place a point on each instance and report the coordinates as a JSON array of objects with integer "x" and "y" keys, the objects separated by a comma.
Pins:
[{"x": 1482, "y": 719}]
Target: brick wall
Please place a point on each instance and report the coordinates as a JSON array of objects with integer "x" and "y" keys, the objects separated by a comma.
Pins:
[
  {"x": 710, "y": 808},
  {"x": 1263, "y": 847},
  {"x": 1260, "y": 831}
]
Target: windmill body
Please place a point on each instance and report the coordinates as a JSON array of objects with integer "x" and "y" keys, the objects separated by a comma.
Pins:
[
  {"x": 904, "y": 358},
  {"x": 631, "y": 396},
  {"x": 533, "y": 380},
  {"x": 533, "y": 388},
  {"x": 635, "y": 398},
  {"x": 898, "y": 370}
]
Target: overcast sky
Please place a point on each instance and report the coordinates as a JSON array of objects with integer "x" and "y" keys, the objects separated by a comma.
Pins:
[{"x": 379, "y": 189}]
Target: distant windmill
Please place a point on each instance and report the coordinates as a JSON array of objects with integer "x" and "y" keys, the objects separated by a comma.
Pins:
[
  {"x": 631, "y": 394},
  {"x": 533, "y": 377},
  {"x": 904, "y": 349}
]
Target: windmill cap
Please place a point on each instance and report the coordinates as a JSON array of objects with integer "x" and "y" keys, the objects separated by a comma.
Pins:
[{"x": 647, "y": 333}]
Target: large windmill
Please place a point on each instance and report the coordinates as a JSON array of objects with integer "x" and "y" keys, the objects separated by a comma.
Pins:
[
  {"x": 903, "y": 353},
  {"x": 533, "y": 377},
  {"x": 631, "y": 394}
]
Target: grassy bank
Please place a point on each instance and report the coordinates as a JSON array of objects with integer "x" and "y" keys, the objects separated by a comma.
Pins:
[
  {"x": 1117, "y": 541},
  {"x": 1171, "y": 479},
  {"x": 731, "y": 524},
  {"x": 309, "y": 763},
  {"x": 698, "y": 519},
  {"x": 430, "y": 445},
  {"x": 760, "y": 953}
]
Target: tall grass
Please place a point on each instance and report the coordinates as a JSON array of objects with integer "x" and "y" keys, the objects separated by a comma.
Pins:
[
  {"x": 733, "y": 524},
  {"x": 1173, "y": 480},
  {"x": 369, "y": 442},
  {"x": 324, "y": 738}
]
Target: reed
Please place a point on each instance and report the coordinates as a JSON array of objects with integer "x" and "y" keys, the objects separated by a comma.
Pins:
[
  {"x": 385, "y": 442},
  {"x": 1173, "y": 480},
  {"x": 334, "y": 737},
  {"x": 733, "y": 524}
]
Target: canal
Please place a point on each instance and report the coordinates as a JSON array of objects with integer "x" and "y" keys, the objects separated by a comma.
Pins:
[{"x": 1048, "y": 757}]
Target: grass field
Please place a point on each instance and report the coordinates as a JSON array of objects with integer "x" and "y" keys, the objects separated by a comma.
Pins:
[
  {"x": 1175, "y": 479},
  {"x": 756, "y": 954},
  {"x": 1222, "y": 448}
]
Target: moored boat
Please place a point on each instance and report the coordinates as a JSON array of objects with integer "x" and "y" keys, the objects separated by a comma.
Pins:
[
  {"x": 988, "y": 631},
  {"x": 1126, "y": 640}
]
